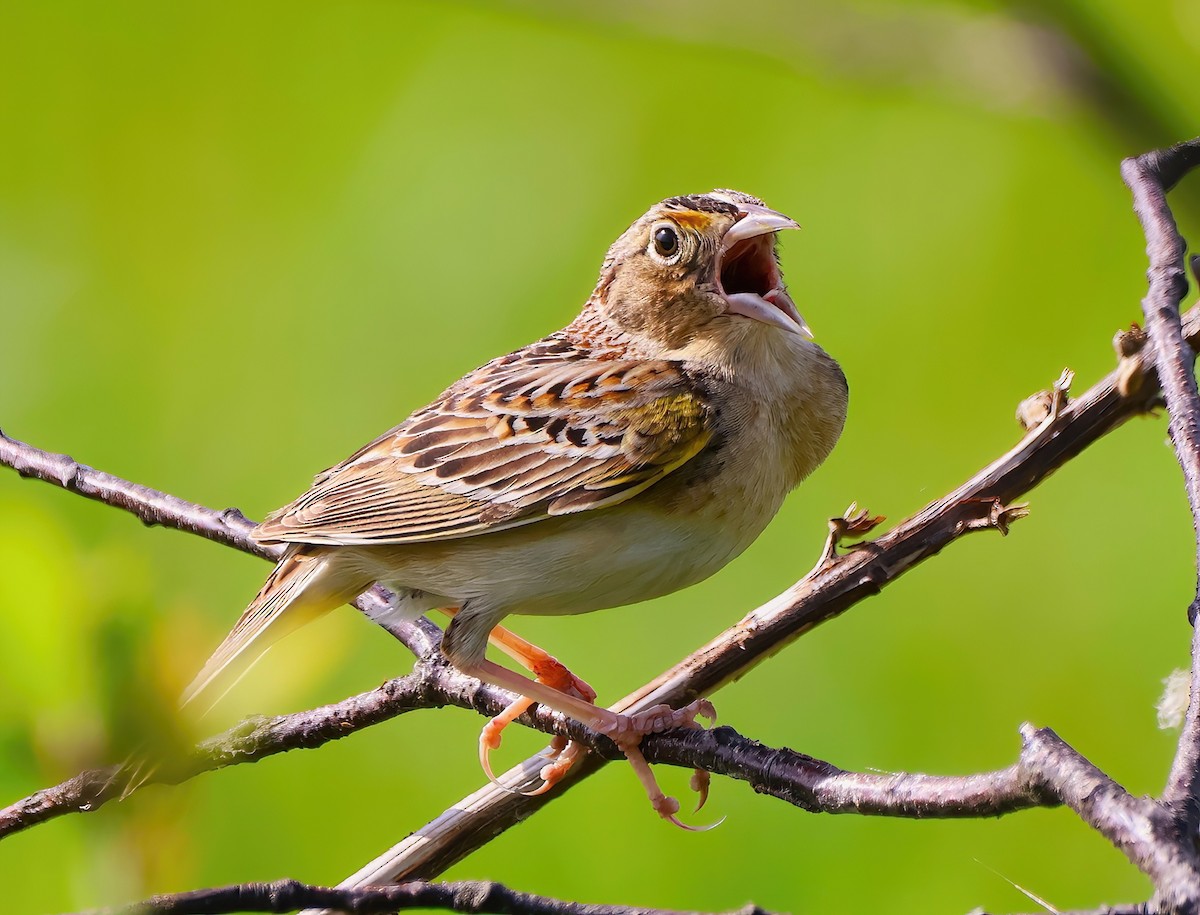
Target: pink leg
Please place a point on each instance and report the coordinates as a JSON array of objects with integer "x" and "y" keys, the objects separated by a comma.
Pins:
[
  {"x": 549, "y": 671},
  {"x": 626, "y": 731},
  {"x": 544, "y": 666}
]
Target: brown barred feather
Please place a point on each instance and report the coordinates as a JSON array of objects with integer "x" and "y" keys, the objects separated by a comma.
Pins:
[{"x": 543, "y": 431}]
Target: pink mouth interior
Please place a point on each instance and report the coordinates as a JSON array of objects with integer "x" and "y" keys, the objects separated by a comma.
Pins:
[{"x": 750, "y": 266}]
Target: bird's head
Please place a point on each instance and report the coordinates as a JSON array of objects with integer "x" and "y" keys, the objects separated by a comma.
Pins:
[{"x": 696, "y": 262}]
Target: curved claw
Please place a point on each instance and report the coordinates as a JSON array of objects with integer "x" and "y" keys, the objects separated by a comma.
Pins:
[
  {"x": 683, "y": 825},
  {"x": 542, "y": 789},
  {"x": 490, "y": 736},
  {"x": 550, "y": 775},
  {"x": 489, "y": 739},
  {"x": 667, "y": 807},
  {"x": 700, "y": 783}
]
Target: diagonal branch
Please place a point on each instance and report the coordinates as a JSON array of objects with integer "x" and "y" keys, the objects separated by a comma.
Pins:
[{"x": 1135, "y": 825}]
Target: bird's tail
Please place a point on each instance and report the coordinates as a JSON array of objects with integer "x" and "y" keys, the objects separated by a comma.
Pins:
[{"x": 304, "y": 586}]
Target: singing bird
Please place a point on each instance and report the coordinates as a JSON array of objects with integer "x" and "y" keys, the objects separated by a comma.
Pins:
[{"x": 630, "y": 454}]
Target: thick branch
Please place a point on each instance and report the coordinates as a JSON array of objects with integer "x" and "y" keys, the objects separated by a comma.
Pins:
[{"x": 290, "y": 895}]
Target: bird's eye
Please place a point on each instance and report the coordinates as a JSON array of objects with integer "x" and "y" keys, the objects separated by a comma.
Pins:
[{"x": 666, "y": 241}]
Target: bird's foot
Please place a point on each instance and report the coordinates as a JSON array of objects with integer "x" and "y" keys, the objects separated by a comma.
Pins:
[
  {"x": 562, "y": 752},
  {"x": 627, "y": 731},
  {"x": 622, "y": 729},
  {"x": 490, "y": 737}
]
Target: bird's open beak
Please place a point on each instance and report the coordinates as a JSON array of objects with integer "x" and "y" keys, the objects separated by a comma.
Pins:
[{"x": 748, "y": 274}]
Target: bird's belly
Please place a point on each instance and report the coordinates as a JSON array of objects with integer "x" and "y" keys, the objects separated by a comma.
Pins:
[{"x": 569, "y": 564}]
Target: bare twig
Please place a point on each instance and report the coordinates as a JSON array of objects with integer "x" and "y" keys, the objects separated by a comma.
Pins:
[
  {"x": 820, "y": 787},
  {"x": 1149, "y": 177},
  {"x": 152, "y": 507},
  {"x": 290, "y": 895},
  {"x": 250, "y": 740},
  {"x": 1136, "y": 826},
  {"x": 229, "y": 526},
  {"x": 803, "y": 781}
]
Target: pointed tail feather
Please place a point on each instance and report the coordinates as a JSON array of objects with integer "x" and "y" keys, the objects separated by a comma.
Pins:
[{"x": 303, "y": 587}]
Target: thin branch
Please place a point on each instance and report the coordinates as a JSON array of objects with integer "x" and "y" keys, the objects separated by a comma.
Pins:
[
  {"x": 821, "y": 787},
  {"x": 152, "y": 507},
  {"x": 290, "y": 895},
  {"x": 250, "y": 740},
  {"x": 1149, "y": 177},
  {"x": 1140, "y": 908},
  {"x": 155, "y": 508},
  {"x": 805, "y": 782},
  {"x": 435, "y": 683}
]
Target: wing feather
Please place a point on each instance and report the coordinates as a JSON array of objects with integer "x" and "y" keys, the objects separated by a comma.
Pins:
[{"x": 537, "y": 433}]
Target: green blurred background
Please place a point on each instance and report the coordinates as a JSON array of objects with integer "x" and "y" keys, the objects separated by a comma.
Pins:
[{"x": 239, "y": 240}]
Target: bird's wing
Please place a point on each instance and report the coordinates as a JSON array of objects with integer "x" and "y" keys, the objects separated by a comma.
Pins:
[{"x": 526, "y": 437}]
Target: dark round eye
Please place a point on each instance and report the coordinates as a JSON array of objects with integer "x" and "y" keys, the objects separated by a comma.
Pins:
[{"x": 666, "y": 241}]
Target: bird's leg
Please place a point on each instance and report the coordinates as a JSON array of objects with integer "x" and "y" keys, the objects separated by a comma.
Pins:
[
  {"x": 465, "y": 643},
  {"x": 544, "y": 666},
  {"x": 626, "y": 731},
  {"x": 548, "y": 670}
]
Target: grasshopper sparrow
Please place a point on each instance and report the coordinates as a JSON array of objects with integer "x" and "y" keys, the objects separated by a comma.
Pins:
[{"x": 632, "y": 453}]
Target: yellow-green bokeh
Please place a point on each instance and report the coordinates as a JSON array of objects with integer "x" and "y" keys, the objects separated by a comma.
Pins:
[{"x": 238, "y": 240}]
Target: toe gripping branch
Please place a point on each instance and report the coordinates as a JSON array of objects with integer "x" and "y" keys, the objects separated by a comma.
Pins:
[
  {"x": 656, "y": 720},
  {"x": 625, "y": 730}
]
